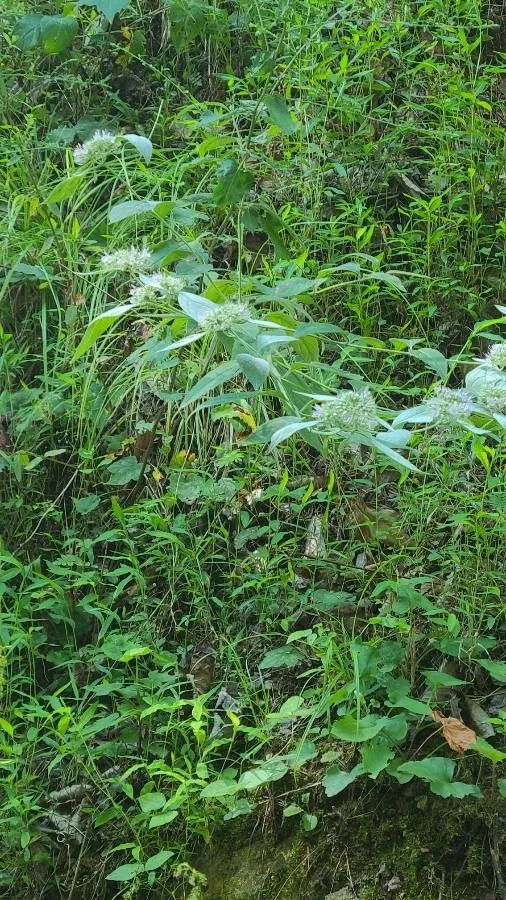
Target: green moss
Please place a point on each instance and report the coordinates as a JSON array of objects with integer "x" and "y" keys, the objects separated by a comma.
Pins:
[
  {"x": 255, "y": 871},
  {"x": 432, "y": 846}
]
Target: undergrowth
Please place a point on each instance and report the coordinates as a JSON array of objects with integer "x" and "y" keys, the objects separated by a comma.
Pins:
[{"x": 252, "y": 419}]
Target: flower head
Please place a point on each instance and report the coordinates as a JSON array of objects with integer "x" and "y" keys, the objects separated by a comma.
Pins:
[
  {"x": 449, "y": 404},
  {"x": 224, "y": 317},
  {"x": 351, "y": 411},
  {"x": 129, "y": 260},
  {"x": 160, "y": 284},
  {"x": 96, "y": 149},
  {"x": 496, "y": 356},
  {"x": 493, "y": 398}
]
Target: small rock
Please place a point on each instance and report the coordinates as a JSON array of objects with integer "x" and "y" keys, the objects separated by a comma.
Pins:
[
  {"x": 342, "y": 894},
  {"x": 497, "y": 703}
]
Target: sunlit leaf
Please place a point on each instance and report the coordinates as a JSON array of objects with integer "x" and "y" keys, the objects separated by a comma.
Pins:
[
  {"x": 142, "y": 144},
  {"x": 98, "y": 326},
  {"x": 279, "y": 114},
  {"x": 110, "y": 8}
]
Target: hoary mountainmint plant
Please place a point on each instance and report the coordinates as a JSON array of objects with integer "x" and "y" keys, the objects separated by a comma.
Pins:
[{"x": 264, "y": 353}]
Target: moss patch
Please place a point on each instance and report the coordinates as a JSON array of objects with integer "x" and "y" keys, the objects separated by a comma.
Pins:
[{"x": 414, "y": 846}]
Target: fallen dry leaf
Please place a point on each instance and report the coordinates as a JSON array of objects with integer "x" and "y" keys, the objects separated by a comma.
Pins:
[
  {"x": 202, "y": 668},
  {"x": 458, "y": 736}
]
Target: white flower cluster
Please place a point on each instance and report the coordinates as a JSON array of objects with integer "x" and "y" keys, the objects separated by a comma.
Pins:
[
  {"x": 449, "y": 404},
  {"x": 350, "y": 411},
  {"x": 224, "y": 317},
  {"x": 493, "y": 398},
  {"x": 496, "y": 356},
  {"x": 131, "y": 260},
  {"x": 160, "y": 284},
  {"x": 97, "y": 148}
]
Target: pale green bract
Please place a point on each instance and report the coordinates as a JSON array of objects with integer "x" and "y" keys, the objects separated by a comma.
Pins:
[
  {"x": 160, "y": 284},
  {"x": 224, "y": 317},
  {"x": 350, "y": 411},
  {"x": 129, "y": 260},
  {"x": 97, "y": 148},
  {"x": 496, "y": 356},
  {"x": 447, "y": 405}
]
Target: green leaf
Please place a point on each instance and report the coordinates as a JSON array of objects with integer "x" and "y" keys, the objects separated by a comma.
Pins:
[
  {"x": 417, "y": 707},
  {"x": 432, "y": 768},
  {"x": 309, "y": 822},
  {"x": 87, "y": 504},
  {"x": 126, "y": 872},
  {"x": 433, "y": 359},
  {"x": 501, "y": 784},
  {"x": 375, "y": 756},
  {"x": 128, "y": 208},
  {"x": 7, "y": 727},
  {"x": 336, "y": 780},
  {"x": 213, "y": 379},
  {"x": 392, "y": 454},
  {"x": 124, "y": 470},
  {"x": 270, "y": 771},
  {"x": 234, "y": 184},
  {"x": 288, "y": 430},
  {"x": 496, "y": 669},
  {"x": 109, "y": 8},
  {"x": 264, "y": 433},
  {"x": 97, "y": 327},
  {"x": 142, "y": 144},
  {"x": 300, "y": 755},
  {"x": 483, "y": 748},
  {"x": 219, "y": 788},
  {"x": 438, "y": 771},
  {"x": 195, "y": 307},
  {"x": 259, "y": 218},
  {"x": 455, "y": 789},
  {"x": 326, "y": 601},
  {"x": 291, "y": 810},
  {"x": 282, "y": 657},
  {"x": 386, "y": 277},
  {"x": 65, "y": 189},
  {"x": 158, "y": 860},
  {"x": 52, "y": 34},
  {"x": 349, "y": 728},
  {"x": 152, "y": 802},
  {"x": 163, "y": 819},
  {"x": 182, "y": 342},
  {"x": 279, "y": 114},
  {"x": 135, "y": 653},
  {"x": 441, "y": 679},
  {"x": 254, "y": 368}
]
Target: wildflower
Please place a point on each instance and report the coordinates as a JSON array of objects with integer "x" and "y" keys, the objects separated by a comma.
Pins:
[
  {"x": 493, "y": 398},
  {"x": 128, "y": 260},
  {"x": 496, "y": 356},
  {"x": 448, "y": 404},
  {"x": 160, "y": 284},
  {"x": 352, "y": 411},
  {"x": 96, "y": 149},
  {"x": 224, "y": 317}
]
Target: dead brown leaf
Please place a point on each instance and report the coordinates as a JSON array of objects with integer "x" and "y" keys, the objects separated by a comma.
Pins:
[
  {"x": 457, "y": 735},
  {"x": 202, "y": 668}
]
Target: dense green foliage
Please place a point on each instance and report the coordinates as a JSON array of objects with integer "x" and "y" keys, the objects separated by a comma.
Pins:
[{"x": 252, "y": 428}]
